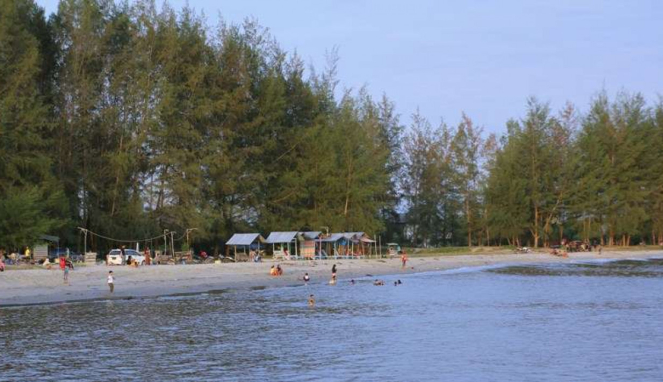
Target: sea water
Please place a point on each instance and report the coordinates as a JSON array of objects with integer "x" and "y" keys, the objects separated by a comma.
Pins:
[{"x": 586, "y": 321}]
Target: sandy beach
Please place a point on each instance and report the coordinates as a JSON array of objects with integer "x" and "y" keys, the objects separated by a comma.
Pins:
[{"x": 41, "y": 286}]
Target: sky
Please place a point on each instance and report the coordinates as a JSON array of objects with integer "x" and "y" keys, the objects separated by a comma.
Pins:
[{"x": 484, "y": 58}]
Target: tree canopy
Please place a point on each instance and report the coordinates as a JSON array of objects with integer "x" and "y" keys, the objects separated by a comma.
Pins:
[{"x": 126, "y": 120}]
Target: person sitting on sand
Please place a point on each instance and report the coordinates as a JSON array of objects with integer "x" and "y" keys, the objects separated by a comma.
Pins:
[
  {"x": 279, "y": 270},
  {"x": 311, "y": 300},
  {"x": 272, "y": 271}
]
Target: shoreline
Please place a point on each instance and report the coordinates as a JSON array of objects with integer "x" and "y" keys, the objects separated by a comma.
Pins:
[{"x": 88, "y": 283}]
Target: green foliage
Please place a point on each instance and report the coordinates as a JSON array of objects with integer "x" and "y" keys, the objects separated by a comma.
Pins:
[
  {"x": 127, "y": 121},
  {"x": 30, "y": 197}
]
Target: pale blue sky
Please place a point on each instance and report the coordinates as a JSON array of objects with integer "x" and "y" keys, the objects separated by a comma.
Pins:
[{"x": 481, "y": 57}]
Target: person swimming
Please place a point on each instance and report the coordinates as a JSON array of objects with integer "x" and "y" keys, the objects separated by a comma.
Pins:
[{"x": 378, "y": 282}]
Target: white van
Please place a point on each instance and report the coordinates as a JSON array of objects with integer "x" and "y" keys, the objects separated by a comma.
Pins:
[{"x": 115, "y": 257}]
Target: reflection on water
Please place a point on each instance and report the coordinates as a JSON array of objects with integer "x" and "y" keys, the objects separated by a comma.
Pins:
[{"x": 599, "y": 322}]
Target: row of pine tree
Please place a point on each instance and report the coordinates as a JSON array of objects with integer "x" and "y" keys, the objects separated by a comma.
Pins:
[{"x": 127, "y": 120}]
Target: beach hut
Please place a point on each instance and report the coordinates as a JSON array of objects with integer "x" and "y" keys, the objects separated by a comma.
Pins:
[
  {"x": 243, "y": 243},
  {"x": 366, "y": 245},
  {"x": 335, "y": 245},
  {"x": 359, "y": 244},
  {"x": 284, "y": 245},
  {"x": 308, "y": 240}
]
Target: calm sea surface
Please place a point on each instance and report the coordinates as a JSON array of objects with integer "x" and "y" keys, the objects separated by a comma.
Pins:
[{"x": 570, "y": 322}]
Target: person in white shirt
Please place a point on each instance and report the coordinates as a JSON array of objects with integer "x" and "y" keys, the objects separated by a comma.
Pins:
[{"x": 111, "y": 281}]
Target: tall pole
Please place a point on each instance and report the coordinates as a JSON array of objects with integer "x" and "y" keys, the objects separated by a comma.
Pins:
[
  {"x": 189, "y": 230},
  {"x": 172, "y": 243},
  {"x": 165, "y": 242}
]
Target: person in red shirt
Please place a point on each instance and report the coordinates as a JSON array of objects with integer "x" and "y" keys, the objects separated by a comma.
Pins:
[{"x": 63, "y": 268}]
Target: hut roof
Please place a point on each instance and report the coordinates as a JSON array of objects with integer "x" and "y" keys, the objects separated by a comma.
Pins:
[
  {"x": 334, "y": 237},
  {"x": 281, "y": 237},
  {"x": 244, "y": 239},
  {"x": 311, "y": 235},
  {"x": 353, "y": 235}
]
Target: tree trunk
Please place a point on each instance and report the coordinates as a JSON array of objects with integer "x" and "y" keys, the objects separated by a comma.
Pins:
[
  {"x": 468, "y": 214},
  {"x": 117, "y": 181},
  {"x": 536, "y": 227}
]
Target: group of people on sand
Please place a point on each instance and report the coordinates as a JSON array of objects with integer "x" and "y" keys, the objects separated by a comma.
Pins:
[
  {"x": 575, "y": 246},
  {"x": 276, "y": 271}
]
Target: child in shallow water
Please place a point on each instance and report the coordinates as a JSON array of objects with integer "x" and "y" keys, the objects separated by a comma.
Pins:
[{"x": 311, "y": 300}]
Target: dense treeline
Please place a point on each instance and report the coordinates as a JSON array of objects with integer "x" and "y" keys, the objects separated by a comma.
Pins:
[
  {"x": 594, "y": 177},
  {"x": 126, "y": 120}
]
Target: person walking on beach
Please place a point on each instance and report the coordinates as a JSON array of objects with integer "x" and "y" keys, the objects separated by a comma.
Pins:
[
  {"x": 111, "y": 281},
  {"x": 63, "y": 263},
  {"x": 403, "y": 259},
  {"x": 66, "y": 271}
]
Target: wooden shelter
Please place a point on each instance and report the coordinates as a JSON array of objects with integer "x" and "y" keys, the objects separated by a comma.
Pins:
[
  {"x": 284, "y": 245},
  {"x": 308, "y": 244},
  {"x": 243, "y": 243}
]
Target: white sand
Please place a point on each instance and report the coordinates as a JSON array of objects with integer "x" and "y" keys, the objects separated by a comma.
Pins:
[{"x": 36, "y": 286}]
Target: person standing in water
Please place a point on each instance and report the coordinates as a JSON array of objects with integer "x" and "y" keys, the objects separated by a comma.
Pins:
[
  {"x": 306, "y": 278},
  {"x": 334, "y": 273},
  {"x": 111, "y": 281},
  {"x": 311, "y": 301}
]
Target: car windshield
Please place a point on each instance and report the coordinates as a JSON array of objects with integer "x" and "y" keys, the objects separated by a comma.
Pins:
[{"x": 127, "y": 252}]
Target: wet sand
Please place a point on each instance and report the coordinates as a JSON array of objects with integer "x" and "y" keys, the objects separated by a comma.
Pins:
[{"x": 42, "y": 286}]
